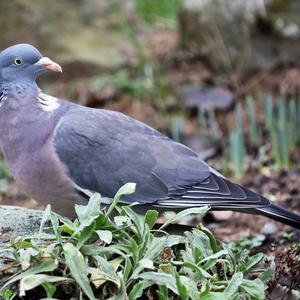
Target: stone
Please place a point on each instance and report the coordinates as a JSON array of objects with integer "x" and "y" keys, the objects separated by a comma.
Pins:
[
  {"x": 88, "y": 34},
  {"x": 237, "y": 36},
  {"x": 17, "y": 221},
  {"x": 269, "y": 228},
  {"x": 208, "y": 99},
  {"x": 222, "y": 215}
]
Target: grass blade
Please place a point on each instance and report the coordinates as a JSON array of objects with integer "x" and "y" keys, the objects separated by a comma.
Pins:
[{"x": 78, "y": 268}]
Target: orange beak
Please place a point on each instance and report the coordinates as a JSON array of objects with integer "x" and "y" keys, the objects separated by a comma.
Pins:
[{"x": 49, "y": 64}]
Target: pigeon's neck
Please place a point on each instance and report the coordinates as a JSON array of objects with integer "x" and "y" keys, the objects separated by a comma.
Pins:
[
  {"x": 14, "y": 94},
  {"x": 27, "y": 120},
  {"x": 14, "y": 89}
]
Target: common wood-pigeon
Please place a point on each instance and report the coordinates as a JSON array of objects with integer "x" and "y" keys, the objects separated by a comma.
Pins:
[{"x": 57, "y": 149}]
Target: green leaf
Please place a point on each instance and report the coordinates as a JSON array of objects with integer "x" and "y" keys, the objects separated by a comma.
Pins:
[
  {"x": 213, "y": 242},
  {"x": 105, "y": 236},
  {"x": 78, "y": 268},
  {"x": 191, "y": 287},
  {"x": 96, "y": 278},
  {"x": 255, "y": 288},
  {"x": 213, "y": 296},
  {"x": 202, "y": 242},
  {"x": 162, "y": 279},
  {"x": 127, "y": 268},
  {"x": 90, "y": 211},
  {"x": 86, "y": 234},
  {"x": 137, "y": 290},
  {"x": 200, "y": 211},
  {"x": 234, "y": 284},
  {"x": 211, "y": 260},
  {"x": 121, "y": 294},
  {"x": 136, "y": 219},
  {"x": 266, "y": 275},
  {"x": 115, "y": 263},
  {"x": 145, "y": 241},
  {"x": 201, "y": 272},
  {"x": 45, "y": 218},
  {"x": 25, "y": 257},
  {"x": 127, "y": 189},
  {"x": 253, "y": 261},
  {"x": 107, "y": 270},
  {"x": 163, "y": 292},
  {"x": 48, "y": 265},
  {"x": 31, "y": 281},
  {"x": 155, "y": 247},
  {"x": 147, "y": 263},
  {"x": 150, "y": 218},
  {"x": 68, "y": 226},
  {"x": 49, "y": 288},
  {"x": 214, "y": 256},
  {"x": 8, "y": 295},
  {"x": 87, "y": 214},
  {"x": 122, "y": 221},
  {"x": 173, "y": 240},
  {"x": 182, "y": 290},
  {"x": 55, "y": 226},
  {"x": 92, "y": 250}
]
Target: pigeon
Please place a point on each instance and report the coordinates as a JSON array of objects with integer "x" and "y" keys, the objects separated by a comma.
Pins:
[{"x": 59, "y": 152}]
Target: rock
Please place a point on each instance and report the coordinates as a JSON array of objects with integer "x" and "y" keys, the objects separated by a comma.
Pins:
[
  {"x": 18, "y": 221},
  {"x": 209, "y": 99},
  {"x": 241, "y": 36},
  {"x": 87, "y": 33},
  {"x": 222, "y": 215},
  {"x": 269, "y": 228}
]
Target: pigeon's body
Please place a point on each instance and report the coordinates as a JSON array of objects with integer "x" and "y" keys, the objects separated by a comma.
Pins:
[{"x": 56, "y": 150}]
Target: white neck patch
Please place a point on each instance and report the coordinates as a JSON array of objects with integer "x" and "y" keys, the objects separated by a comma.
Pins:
[
  {"x": 48, "y": 103},
  {"x": 2, "y": 98}
]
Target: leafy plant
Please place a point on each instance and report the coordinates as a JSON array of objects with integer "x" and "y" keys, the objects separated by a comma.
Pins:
[
  {"x": 204, "y": 129},
  {"x": 124, "y": 257},
  {"x": 237, "y": 149},
  {"x": 282, "y": 123},
  {"x": 177, "y": 125},
  {"x": 209, "y": 126},
  {"x": 281, "y": 130},
  {"x": 254, "y": 133},
  {"x": 159, "y": 11}
]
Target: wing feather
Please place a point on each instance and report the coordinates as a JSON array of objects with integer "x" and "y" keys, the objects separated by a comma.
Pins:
[{"x": 215, "y": 192}]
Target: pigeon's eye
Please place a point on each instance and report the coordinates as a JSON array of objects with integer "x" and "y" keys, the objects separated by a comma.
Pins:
[{"x": 18, "y": 61}]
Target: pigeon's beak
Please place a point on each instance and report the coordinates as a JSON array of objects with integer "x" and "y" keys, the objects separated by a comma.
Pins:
[{"x": 49, "y": 64}]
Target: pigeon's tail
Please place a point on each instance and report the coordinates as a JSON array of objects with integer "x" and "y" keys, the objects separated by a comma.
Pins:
[
  {"x": 280, "y": 214},
  {"x": 220, "y": 194}
]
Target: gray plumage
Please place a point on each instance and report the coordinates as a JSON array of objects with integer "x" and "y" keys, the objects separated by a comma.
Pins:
[{"x": 54, "y": 146}]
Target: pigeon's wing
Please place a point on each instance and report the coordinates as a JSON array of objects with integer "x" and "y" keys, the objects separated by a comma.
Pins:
[
  {"x": 104, "y": 149},
  {"x": 217, "y": 192}
]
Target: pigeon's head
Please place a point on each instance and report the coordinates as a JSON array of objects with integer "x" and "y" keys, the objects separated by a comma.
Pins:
[{"x": 24, "y": 62}]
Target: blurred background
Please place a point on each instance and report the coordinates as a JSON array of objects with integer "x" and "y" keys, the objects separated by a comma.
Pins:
[{"x": 221, "y": 76}]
